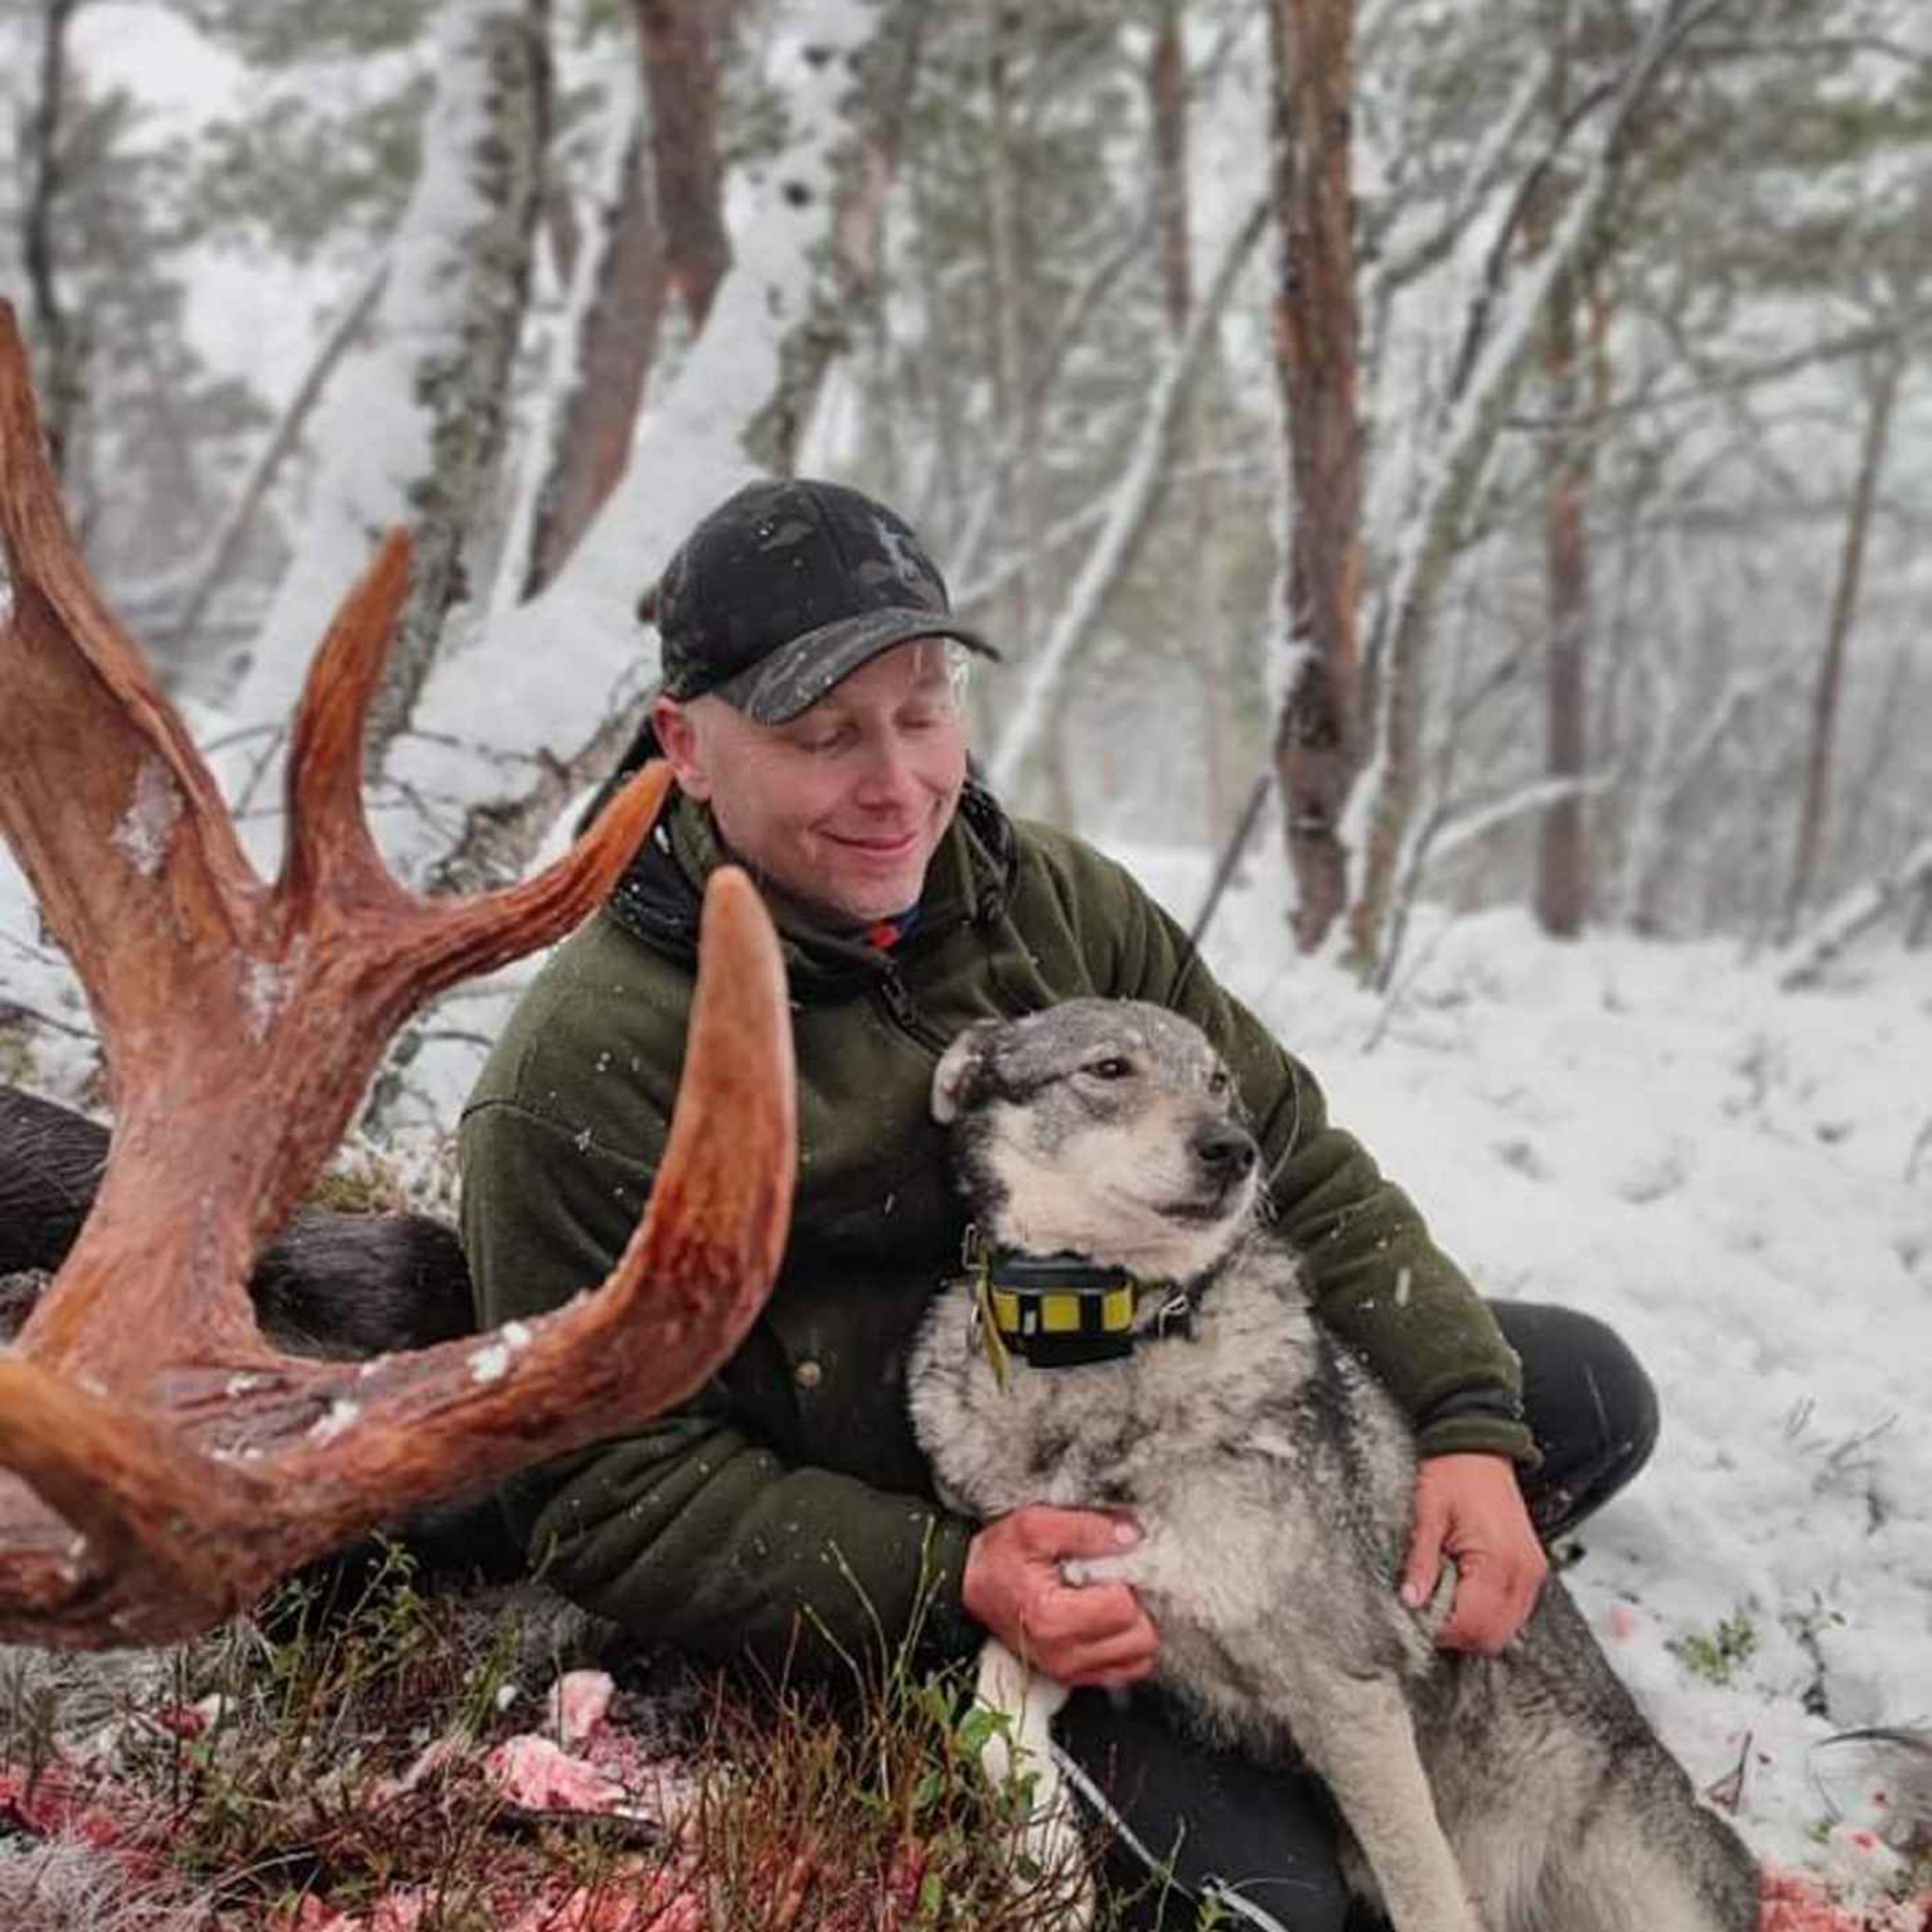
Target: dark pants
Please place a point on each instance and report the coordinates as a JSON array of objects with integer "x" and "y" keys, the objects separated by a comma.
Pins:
[{"x": 1266, "y": 1839}]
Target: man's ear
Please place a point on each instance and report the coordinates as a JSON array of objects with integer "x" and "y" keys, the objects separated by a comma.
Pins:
[
  {"x": 679, "y": 737},
  {"x": 956, "y": 1067}
]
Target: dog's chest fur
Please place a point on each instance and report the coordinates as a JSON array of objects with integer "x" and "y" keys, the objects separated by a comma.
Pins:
[{"x": 1251, "y": 1455}]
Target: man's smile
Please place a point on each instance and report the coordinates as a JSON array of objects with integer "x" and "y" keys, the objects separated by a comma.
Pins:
[{"x": 874, "y": 846}]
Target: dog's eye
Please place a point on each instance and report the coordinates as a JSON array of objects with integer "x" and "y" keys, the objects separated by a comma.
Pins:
[
  {"x": 1111, "y": 1068},
  {"x": 1218, "y": 1082}
]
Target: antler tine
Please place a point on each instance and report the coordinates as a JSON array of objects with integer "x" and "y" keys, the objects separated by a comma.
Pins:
[
  {"x": 681, "y": 1298},
  {"x": 170, "y": 1463},
  {"x": 461, "y": 936},
  {"x": 329, "y": 844},
  {"x": 430, "y": 945},
  {"x": 174, "y": 1540},
  {"x": 135, "y": 1555},
  {"x": 114, "y": 816}
]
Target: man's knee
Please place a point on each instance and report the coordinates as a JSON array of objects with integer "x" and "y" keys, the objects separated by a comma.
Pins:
[{"x": 1588, "y": 1402}]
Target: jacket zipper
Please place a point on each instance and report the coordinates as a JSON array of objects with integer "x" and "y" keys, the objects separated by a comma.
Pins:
[{"x": 899, "y": 1008}]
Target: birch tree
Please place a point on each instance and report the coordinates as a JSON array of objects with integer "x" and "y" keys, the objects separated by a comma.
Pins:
[
  {"x": 1498, "y": 346},
  {"x": 414, "y": 431},
  {"x": 1562, "y": 879},
  {"x": 50, "y": 321},
  {"x": 500, "y": 736}
]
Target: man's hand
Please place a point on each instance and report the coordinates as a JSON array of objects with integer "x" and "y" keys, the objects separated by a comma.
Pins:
[
  {"x": 1469, "y": 1509},
  {"x": 1098, "y": 1634}
]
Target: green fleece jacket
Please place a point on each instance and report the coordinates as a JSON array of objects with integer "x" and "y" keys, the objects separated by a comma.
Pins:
[{"x": 784, "y": 1515}]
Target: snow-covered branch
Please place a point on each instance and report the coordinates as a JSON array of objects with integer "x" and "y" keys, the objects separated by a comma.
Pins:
[
  {"x": 1452, "y": 476},
  {"x": 1855, "y": 914},
  {"x": 208, "y": 574},
  {"x": 414, "y": 429}
]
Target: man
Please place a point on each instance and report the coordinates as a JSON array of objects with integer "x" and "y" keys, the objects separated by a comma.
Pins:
[{"x": 811, "y": 711}]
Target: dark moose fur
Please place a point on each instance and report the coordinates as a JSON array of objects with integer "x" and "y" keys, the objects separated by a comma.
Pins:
[{"x": 337, "y": 1286}]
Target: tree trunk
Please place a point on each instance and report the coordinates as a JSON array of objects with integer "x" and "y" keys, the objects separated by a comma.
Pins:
[
  {"x": 1896, "y": 709},
  {"x": 57, "y": 334},
  {"x": 1167, "y": 96},
  {"x": 465, "y": 388},
  {"x": 1499, "y": 347},
  {"x": 1131, "y": 504},
  {"x": 1562, "y": 884},
  {"x": 282, "y": 442},
  {"x": 1918, "y": 929},
  {"x": 888, "y": 68},
  {"x": 415, "y": 429},
  {"x": 1881, "y": 402},
  {"x": 1018, "y": 397},
  {"x": 1318, "y": 736},
  {"x": 746, "y": 380},
  {"x": 1902, "y": 890},
  {"x": 680, "y": 39},
  {"x": 617, "y": 344},
  {"x": 1018, "y": 418},
  {"x": 1207, "y": 641}
]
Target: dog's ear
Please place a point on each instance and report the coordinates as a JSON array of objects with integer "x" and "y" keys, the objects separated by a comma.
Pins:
[{"x": 956, "y": 1067}]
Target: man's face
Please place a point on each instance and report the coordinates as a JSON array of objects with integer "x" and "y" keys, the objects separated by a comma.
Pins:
[{"x": 843, "y": 806}]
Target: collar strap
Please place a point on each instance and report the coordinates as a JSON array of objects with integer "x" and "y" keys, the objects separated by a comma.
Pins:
[{"x": 1059, "y": 1311}]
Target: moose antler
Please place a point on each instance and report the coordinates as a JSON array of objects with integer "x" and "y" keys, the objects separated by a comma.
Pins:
[{"x": 170, "y": 1464}]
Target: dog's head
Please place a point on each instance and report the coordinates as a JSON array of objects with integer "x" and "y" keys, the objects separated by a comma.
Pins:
[{"x": 1104, "y": 1128}]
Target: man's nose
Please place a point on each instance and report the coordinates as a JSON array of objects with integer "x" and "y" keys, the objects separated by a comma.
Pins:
[{"x": 889, "y": 775}]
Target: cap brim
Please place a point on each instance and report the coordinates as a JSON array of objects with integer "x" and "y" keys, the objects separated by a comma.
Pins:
[{"x": 798, "y": 674}]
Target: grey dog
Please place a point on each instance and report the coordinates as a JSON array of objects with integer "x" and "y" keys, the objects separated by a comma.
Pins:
[{"x": 1272, "y": 1478}]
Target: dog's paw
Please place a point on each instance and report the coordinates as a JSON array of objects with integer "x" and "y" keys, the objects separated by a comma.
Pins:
[
  {"x": 1129, "y": 1566},
  {"x": 1056, "y": 1854}
]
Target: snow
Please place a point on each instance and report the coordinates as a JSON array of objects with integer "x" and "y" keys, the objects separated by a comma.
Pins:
[
  {"x": 1738, "y": 1180},
  {"x": 340, "y": 1418},
  {"x": 266, "y": 985},
  {"x": 1738, "y": 1177},
  {"x": 376, "y": 444},
  {"x": 142, "y": 836},
  {"x": 491, "y": 1362},
  {"x": 687, "y": 458}
]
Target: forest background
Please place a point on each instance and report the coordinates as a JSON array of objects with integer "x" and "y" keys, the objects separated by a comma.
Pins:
[{"x": 1477, "y": 437}]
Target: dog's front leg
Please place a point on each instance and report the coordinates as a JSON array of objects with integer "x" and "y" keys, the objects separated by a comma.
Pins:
[
  {"x": 1022, "y": 1748},
  {"x": 1357, "y": 1734}
]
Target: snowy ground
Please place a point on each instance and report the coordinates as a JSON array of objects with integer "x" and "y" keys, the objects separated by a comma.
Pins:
[{"x": 1740, "y": 1181}]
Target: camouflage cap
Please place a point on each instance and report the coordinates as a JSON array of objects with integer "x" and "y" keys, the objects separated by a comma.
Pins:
[{"x": 788, "y": 587}]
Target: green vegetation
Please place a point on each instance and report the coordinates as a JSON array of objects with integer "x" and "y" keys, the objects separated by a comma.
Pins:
[{"x": 1714, "y": 1657}]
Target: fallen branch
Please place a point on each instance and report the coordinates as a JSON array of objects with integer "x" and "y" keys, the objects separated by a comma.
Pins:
[{"x": 1855, "y": 914}]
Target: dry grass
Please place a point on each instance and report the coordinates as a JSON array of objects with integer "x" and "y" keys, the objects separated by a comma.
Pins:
[{"x": 274, "y": 1776}]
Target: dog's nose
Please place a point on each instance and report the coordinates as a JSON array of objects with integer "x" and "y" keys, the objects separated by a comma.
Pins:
[{"x": 1224, "y": 1151}]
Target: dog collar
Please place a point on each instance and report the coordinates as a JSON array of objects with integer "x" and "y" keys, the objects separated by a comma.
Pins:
[{"x": 1059, "y": 1311}]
